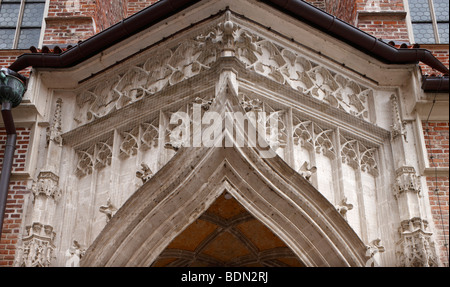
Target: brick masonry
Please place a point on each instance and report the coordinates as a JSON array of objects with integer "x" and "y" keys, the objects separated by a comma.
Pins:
[
  {"x": 436, "y": 136},
  {"x": 14, "y": 215},
  {"x": 12, "y": 222}
]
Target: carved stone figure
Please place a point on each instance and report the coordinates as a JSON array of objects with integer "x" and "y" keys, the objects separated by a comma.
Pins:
[
  {"x": 108, "y": 210},
  {"x": 307, "y": 171},
  {"x": 145, "y": 173},
  {"x": 74, "y": 254},
  {"x": 343, "y": 207}
]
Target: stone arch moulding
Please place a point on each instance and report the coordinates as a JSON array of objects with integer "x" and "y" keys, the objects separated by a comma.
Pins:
[{"x": 268, "y": 188}]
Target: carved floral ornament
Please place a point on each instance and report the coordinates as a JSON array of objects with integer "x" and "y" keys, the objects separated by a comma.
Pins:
[{"x": 172, "y": 65}]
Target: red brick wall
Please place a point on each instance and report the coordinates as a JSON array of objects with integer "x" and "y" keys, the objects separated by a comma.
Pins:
[
  {"x": 318, "y": 3},
  {"x": 14, "y": 215},
  {"x": 436, "y": 139},
  {"x": 108, "y": 13},
  {"x": 134, "y": 6},
  {"x": 439, "y": 211},
  {"x": 385, "y": 19},
  {"x": 68, "y": 30},
  {"x": 7, "y": 57},
  {"x": 22, "y": 144},
  {"x": 69, "y": 22},
  {"x": 380, "y": 5},
  {"x": 12, "y": 222},
  {"x": 441, "y": 53},
  {"x": 437, "y": 142},
  {"x": 386, "y": 29},
  {"x": 345, "y": 10}
]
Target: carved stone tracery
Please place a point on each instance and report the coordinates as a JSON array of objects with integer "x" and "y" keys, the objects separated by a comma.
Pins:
[
  {"x": 175, "y": 64},
  {"x": 37, "y": 246},
  {"x": 96, "y": 157},
  {"x": 313, "y": 137},
  {"x": 357, "y": 155}
]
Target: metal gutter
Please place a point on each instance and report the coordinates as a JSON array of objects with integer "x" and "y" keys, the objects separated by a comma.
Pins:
[
  {"x": 435, "y": 84},
  {"x": 165, "y": 8},
  {"x": 99, "y": 42},
  {"x": 353, "y": 36},
  {"x": 8, "y": 158}
]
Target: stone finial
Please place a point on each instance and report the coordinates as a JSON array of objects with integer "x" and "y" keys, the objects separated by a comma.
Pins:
[{"x": 54, "y": 132}]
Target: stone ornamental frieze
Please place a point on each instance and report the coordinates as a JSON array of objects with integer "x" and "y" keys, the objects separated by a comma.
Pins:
[{"x": 174, "y": 64}]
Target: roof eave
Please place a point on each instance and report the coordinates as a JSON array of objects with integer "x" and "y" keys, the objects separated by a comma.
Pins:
[{"x": 163, "y": 9}]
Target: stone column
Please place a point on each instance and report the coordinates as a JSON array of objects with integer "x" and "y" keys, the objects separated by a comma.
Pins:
[
  {"x": 38, "y": 242},
  {"x": 415, "y": 247}
]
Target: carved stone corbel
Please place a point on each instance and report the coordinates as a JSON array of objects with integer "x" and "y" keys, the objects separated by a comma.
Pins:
[
  {"x": 406, "y": 180},
  {"x": 204, "y": 103},
  {"x": 47, "y": 184}
]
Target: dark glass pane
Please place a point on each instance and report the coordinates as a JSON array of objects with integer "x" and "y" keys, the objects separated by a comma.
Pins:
[
  {"x": 443, "y": 32},
  {"x": 6, "y": 38},
  {"x": 28, "y": 38},
  {"x": 423, "y": 33},
  {"x": 32, "y": 15},
  {"x": 419, "y": 10},
  {"x": 441, "y": 8},
  {"x": 9, "y": 14}
]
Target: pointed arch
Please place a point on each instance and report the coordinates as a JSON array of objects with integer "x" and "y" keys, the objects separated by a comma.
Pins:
[{"x": 268, "y": 188}]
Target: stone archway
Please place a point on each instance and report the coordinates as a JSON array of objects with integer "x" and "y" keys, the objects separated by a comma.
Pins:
[
  {"x": 227, "y": 235},
  {"x": 269, "y": 189}
]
